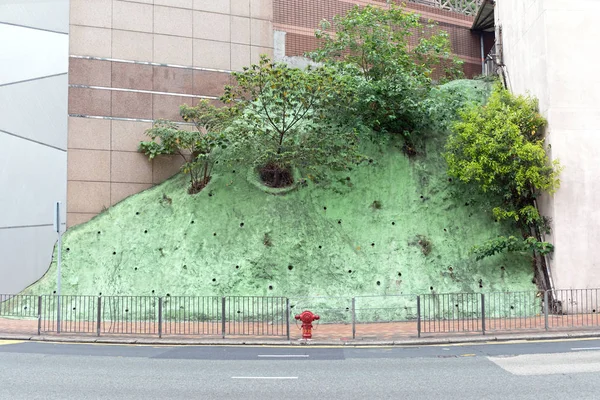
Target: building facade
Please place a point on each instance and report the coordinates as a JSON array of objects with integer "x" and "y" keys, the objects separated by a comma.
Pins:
[{"x": 34, "y": 51}]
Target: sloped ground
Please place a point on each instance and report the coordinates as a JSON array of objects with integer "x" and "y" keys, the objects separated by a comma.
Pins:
[{"x": 394, "y": 225}]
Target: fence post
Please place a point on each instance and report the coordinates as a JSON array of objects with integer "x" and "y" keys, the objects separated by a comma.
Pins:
[
  {"x": 483, "y": 313},
  {"x": 354, "y": 318},
  {"x": 39, "y": 315},
  {"x": 287, "y": 317},
  {"x": 223, "y": 317},
  {"x": 160, "y": 317},
  {"x": 99, "y": 316},
  {"x": 58, "y": 313},
  {"x": 546, "y": 309},
  {"x": 419, "y": 316}
]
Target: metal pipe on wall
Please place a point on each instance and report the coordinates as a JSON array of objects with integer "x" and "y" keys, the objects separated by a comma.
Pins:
[{"x": 482, "y": 53}]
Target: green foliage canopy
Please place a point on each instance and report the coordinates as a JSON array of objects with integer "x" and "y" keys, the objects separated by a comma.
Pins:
[{"x": 393, "y": 75}]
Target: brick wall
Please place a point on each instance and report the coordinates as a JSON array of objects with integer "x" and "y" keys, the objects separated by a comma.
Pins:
[{"x": 300, "y": 18}]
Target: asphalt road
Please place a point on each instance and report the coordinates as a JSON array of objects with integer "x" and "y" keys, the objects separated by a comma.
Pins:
[{"x": 529, "y": 370}]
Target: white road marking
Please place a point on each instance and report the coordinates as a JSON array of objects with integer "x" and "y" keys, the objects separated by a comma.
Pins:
[
  {"x": 550, "y": 364},
  {"x": 264, "y": 377},
  {"x": 283, "y": 355},
  {"x": 584, "y": 348}
]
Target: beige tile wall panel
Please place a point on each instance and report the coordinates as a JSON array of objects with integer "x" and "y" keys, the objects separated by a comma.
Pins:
[
  {"x": 178, "y": 3},
  {"x": 131, "y": 167},
  {"x": 165, "y": 167},
  {"x": 88, "y": 165},
  {"x": 240, "y": 56},
  {"x": 256, "y": 52},
  {"x": 240, "y": 7},
  {"x": 174, "y": 50},
  {"x": 89, "y": 101},
  {"x": 89, "y": 72},
  {"x": 261, "y": 32},
  {"x": 173, "y": 80},
  {"x": 91, "y": 13},
  {"x": 210, "y": 54},
  {"x": 87, "y": 197},
  {"x": 89, "y": 133},
  {"x": 126, "y": 135},
  {"x": 131, "y": 105},
  {"x": 173, "y": 21},
  {"x": 104, "y": 165},
  {"x": 133, "y": 46},
  {"x": 131, "y": 76},
  {"x": 210, "y": 83},
  {"x": 78, "y": 218},
  {"x": 120, "y": 191},
  {"x": 222, "y": 7},
  {"x": 240, "y": 30},
  {"x": 262, "y": 9},
  {"x": 167, "y": 107},
  {"x": 90, "y": 41},
  {"x": 131, "y": 16},
  {"x": 212, "y": 26}
]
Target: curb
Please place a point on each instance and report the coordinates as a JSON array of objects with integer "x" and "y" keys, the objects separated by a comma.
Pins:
[{"x": 284, "y": 342}]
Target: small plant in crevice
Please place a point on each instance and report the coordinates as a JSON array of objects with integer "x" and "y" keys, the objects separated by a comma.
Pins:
[
  {"x": 376, "y": 205},
  {"x": 165, "y": 200},
  {"x": 425, "y": 244},
  {"x": 267, "y": 241}
]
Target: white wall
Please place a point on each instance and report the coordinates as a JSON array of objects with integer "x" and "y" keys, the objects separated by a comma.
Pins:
[
  {"x": 33, "y": 135},
  {"x": 550, "y": 50}
]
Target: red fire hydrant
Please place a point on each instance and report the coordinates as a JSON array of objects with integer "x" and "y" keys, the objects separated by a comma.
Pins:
[{"x": 307, "y": 318}]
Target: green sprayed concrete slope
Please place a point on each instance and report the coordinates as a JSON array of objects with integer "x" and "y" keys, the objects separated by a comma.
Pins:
[{"x": 329, "y": 239}]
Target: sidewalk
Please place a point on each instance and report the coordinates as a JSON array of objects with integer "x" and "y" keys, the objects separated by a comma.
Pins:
[{"x": 376, "y": 334}]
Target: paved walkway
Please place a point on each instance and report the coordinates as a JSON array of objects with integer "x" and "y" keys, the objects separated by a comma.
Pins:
[{"x": 330, "y": 333}]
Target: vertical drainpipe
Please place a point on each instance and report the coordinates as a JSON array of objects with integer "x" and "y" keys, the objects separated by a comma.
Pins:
[{"x": 482, "y": 53}]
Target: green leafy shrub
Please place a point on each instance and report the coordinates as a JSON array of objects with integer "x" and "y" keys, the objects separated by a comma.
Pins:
[
  {"x": 198, "y": 147},
  {"x": 499, "y": 147}
]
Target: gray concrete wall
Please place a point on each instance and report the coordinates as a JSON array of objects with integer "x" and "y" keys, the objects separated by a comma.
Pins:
[
  {"x": 549, "y": 51},
  {"x": 33, "y": 135}
]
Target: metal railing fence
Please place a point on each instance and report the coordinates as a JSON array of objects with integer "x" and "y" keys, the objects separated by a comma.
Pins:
[
  {"x": 467, "y": 7},
  {"x": 431, "y": 313},
  {"x": 191, "y": 315}
]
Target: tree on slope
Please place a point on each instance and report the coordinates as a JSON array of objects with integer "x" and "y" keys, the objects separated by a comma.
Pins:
[{"x": 395, "y": 69}]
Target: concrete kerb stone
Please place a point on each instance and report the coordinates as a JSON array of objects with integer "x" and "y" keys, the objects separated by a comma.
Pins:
[{"x": 285, "y": 342}]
